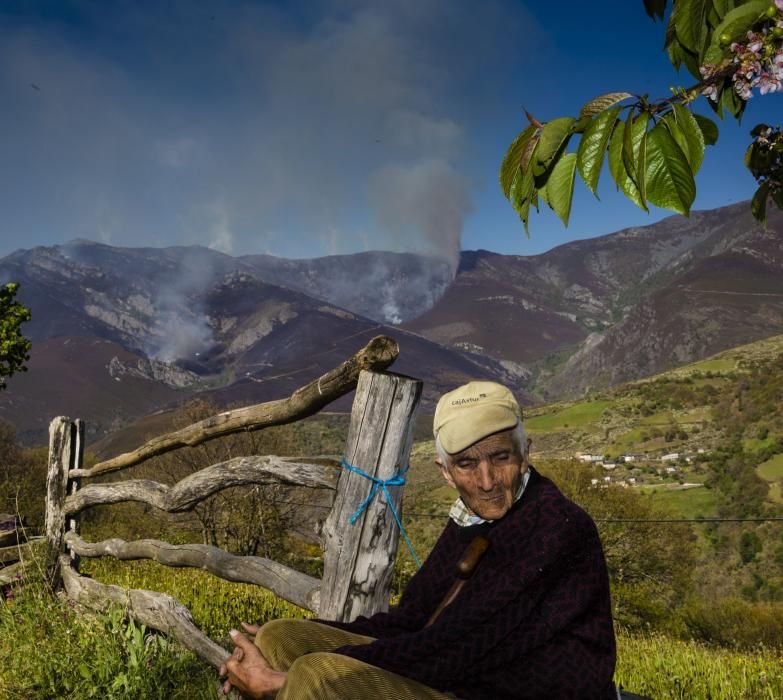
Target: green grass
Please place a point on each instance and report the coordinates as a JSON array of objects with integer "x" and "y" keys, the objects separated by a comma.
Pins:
[
  {"x": 772, "y": 469},
  {"x": 772, "y": 472},
  {"x": 723, "y": 364},
  {"x": 574, "y": 416},
  {"x": 52, "y": 648},
  {"x": 663, "y": 668},
  {"x": 216, "y": 605},
  {"x": 757, "y": 445},
  {"x": 687, "y": 503}
]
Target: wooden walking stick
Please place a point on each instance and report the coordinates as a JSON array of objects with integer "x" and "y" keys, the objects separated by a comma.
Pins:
[{"x": 465, "y": 568}]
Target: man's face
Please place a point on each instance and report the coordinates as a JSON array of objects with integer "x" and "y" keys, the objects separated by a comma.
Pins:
[{"x": 487, "y": 474}]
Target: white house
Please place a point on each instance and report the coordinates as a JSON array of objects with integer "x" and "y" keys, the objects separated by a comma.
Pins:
[{"x": 584, "y": 457}]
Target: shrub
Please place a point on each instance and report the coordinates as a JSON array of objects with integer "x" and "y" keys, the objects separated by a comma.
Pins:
[{"x": 734, "y": 623}]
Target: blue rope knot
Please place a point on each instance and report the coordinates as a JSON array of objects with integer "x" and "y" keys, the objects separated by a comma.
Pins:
[{"x": 397, "y": 480}]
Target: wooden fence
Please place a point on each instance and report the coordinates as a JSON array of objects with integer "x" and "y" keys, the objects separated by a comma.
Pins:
[
  {"x": 358, "y": 558},
  {"x": 15, "y": 552}
]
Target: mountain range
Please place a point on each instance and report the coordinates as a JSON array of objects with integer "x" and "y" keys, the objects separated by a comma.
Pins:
[{"x": 122, "y": 332}]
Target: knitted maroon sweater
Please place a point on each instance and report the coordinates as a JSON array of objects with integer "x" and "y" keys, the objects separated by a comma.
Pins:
[{"x": 534, "y": 621}]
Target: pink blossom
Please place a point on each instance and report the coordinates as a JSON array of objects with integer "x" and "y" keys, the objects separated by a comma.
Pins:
[
  {"x": 767, "y": 83},
  {"x": 743, "y": 89},
  {"x": 779, "y": 4},
  {"x": 755, "y": 43},
  {"x": 710, "y": 92}
]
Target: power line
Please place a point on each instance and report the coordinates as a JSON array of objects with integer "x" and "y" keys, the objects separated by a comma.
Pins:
[
  {"x": 443, "y": 516},
  {"x": 687, "y": 520}
]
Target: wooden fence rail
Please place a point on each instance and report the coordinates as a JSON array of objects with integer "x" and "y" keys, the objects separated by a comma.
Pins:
[
  {"x": 15, "y": 549},
  {"x": 358, "y": 558}
]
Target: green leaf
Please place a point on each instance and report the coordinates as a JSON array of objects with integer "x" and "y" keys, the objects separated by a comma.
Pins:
[
  {"x": 735, "y": 25},
  {"x": 581, "y": 124},
  {"x": 521, "y": 195},
  {"x": 675, "y": 131},
  {"x": 758, "y": 205},
  {"x": 690, "y": 23},
  {"x": 682, "y": 16},
  {"x": 731, "y": 102},
  {"x": 670, "y": 183},
  {"x": 617, "y": 168},
  {"x": 633, "y": 138},
  {"x": 544, "y": 197},
  {"x": 655, "y": 8},
  {"x": 560, "y": 186},
  {"x": 599, "y": 104},
  {"x": 709, "y": 129},
  {"x": 527, "y": 154},
  {"x": 675, "y": 57},
  {"x": 628, "y": 156},
  {"x": 513, "y": 158},
  {"x": 592, "y": 147},
  {"x": 641, "y": 162},
  {"x": 749, "y": 154},
  {"x": 554, "y": 137},
  {"x": 701, "y": 28},
  {"x": 692, "y": 63},
  {"x": 722, "y": 7},
  {"x": 670, "y": 36},
  {"x": 694, "y": 139}
]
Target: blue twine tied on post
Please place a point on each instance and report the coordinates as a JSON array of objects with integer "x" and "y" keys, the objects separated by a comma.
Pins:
[{"x": 397, "y": 480}]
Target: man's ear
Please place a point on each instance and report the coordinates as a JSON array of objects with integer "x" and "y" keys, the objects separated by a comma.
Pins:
[{"x": 445, "y": 472}]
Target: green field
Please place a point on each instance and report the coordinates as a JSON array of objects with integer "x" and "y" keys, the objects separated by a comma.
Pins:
[
  {"x": 717, "y": 365},
  {"x": 772, "y": 469},
  {"x": 686, "y": 503},
  {"x": 574, "y": 416},
  {"x": 756, "y": 445}
]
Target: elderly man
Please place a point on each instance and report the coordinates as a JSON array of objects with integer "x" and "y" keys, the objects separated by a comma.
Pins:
[{"x": 533, "y": 620}]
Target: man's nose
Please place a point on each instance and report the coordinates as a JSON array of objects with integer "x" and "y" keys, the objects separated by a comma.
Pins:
[{"x": 486, "y": 477}]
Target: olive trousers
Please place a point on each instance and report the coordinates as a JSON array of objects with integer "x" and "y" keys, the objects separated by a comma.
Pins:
[{"x": 304, "y": 649}]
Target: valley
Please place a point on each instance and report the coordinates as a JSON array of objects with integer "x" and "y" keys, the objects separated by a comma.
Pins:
[{"x": 121, "y": 333}]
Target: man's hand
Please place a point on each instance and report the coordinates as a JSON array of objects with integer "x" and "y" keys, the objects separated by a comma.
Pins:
[{"x": 248, "y": 671}]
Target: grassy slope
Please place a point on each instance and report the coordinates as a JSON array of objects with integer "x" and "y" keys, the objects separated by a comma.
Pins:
[
  {"x": 42, "y": 639},
  {"x": 611, "y": 422}
]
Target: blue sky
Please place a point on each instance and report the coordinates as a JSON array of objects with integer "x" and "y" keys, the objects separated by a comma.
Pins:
[{"x": 315, "y": 127}]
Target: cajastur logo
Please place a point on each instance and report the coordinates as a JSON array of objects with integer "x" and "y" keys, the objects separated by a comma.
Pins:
[{"x": 469, "y": 399}]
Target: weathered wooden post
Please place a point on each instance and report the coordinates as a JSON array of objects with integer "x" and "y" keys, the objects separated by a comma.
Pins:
[
  {"x": 73, "y": 482},
  {"x": 62, "y": 453},
  {"x": 359, "y": 558}
]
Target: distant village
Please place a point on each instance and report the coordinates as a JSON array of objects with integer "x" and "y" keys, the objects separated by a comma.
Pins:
[{"x": 637, "y": 469}]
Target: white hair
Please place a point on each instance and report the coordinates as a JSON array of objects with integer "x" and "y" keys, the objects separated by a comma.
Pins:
[{"x": 518, "y": 439}]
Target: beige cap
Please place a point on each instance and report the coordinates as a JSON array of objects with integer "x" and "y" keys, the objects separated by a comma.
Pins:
[{"x": 473, "y": 411}]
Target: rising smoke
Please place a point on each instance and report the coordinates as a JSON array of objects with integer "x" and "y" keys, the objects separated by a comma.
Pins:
[
  {"x": 329, "y": 126},
  {"x": 423, "y": 206}
]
